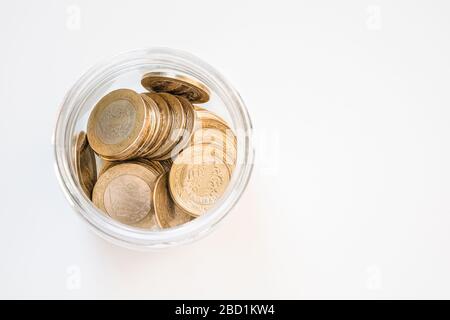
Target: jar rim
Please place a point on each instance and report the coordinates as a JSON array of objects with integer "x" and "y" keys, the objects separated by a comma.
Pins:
[{"x": 64, "y": 131}]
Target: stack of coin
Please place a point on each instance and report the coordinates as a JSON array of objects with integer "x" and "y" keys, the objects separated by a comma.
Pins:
[
  {"x": 165, "y": 160},
  {"x": 127, "y": 125}
]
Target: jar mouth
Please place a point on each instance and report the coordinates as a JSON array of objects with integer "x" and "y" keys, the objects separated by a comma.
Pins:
[{"x": 150, "y": 59}]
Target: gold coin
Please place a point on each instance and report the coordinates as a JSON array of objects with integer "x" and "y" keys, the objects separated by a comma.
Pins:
[
  {"x": 125, "y": 192},
  {"x": 86, "y": 166},
  {"x": 81, "y": 141},
  {"x": 198, "y": 178},
  {"x": 117, "y": 124},
  {"x": 166, "y": 122},
  {"x": 177, "y": 128},
  {"x": 167, "y": 213},
  {"x": 191, "y": 89},
  {"x": 191, "y": 123}
]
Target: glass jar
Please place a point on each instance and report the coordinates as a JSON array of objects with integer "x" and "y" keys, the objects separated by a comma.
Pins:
[{"x": 125, "y": 71}]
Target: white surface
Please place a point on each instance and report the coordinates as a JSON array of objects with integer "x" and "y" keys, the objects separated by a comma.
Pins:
[{"x": 350, "y": 194}]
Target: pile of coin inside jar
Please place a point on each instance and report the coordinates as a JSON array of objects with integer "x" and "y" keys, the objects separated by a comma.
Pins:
[{"x": 163, "y": 159}]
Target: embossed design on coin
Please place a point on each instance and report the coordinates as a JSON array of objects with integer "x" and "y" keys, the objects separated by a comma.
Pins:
[
  {"x": 125, "y": 192},
  {"x": 198, "y": 178},
  {"x": 118, "y": 125},
  {"x": 127, "y": 199},
  {"x": 116, "y": 122}
]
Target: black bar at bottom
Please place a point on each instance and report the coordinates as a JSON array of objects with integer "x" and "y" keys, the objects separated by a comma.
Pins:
[{"x": 227, "y": 309}]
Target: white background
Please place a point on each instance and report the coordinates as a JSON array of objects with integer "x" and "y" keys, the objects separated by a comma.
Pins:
[{"x": 350, "y": 193}]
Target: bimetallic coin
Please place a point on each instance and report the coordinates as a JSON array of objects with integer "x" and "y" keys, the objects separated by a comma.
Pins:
[
  {"x": 167, "y": 213},
  {"x": 86, "y": 166},
  {"x": 117, "y": 123},
  {"x": 125, "y": 192},
  {"x": 198, "y": 178},
  {"x": 191, "y": 89}
]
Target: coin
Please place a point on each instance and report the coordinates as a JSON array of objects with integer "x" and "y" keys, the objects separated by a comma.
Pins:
[
  {"x": 191, "y": 89},
  {"x": 117, "y": 124},
  {"x": 125, "y": 191},
  {"x": 167, "y": 213},
  {"x": 86, "y": 166},
  {"x": 198, "y": 178},
  {"x": 191, "y": 123},
  {"x": 178, "y": 125},
  {"x": 166, "y": 122},
  {"x": 81, "y": 142}
]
